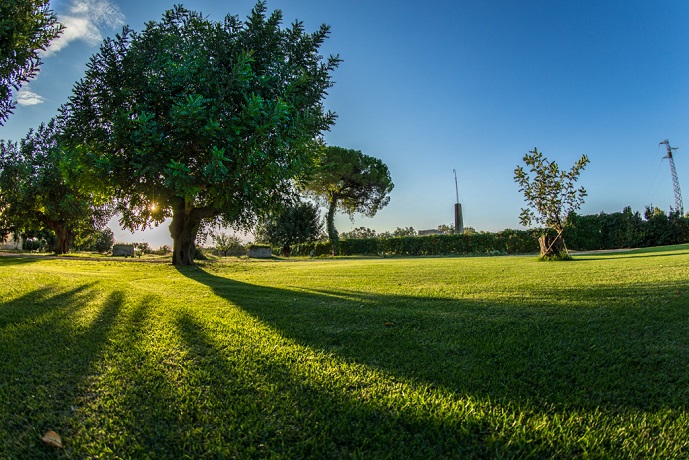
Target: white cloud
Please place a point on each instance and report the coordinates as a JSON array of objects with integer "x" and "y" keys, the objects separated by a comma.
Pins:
[
  {"x": 27, "y": 97},
  {"x": 86, "y": 21}
]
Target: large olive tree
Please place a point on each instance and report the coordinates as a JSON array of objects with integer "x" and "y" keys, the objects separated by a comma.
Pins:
[{"x": 205, "y": 122}]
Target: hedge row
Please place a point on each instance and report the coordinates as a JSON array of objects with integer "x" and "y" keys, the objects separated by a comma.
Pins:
[
  {"x": 626, "y": 230},
  {"x": 598, "y": 231},
  {"x": 504, "y": 242}
]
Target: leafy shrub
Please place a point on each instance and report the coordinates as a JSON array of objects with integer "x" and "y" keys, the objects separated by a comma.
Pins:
[
  {"x": 104, "y": 241},
  {"x": 163, "y": 250},
  {"x": 34, "y": 245}
]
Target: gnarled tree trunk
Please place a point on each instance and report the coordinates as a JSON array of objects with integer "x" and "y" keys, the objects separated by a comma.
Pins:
[
  {"x": 551, "y": 246},
  {"x": 64, "y": 237},
  {"x": 185, "y": 224}
]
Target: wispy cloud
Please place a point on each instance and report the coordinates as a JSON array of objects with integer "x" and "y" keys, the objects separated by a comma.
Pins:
[
  {"x": 27, "y": 97},
  {"x": 86, "y": 21}
]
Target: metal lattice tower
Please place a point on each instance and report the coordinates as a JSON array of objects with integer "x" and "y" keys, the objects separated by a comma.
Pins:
[{"x": 675, "y": 183}]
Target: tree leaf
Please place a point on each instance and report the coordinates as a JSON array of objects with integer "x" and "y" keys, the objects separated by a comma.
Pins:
[{"x": 52, "y": 439}]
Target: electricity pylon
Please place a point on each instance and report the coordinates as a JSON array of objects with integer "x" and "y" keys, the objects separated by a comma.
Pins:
[{"x": 675, "y": 183}]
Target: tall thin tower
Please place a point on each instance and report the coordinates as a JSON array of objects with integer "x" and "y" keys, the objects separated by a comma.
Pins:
[
  {"x": 459, "y": 221},
  {"x": 675, "y": 183}
]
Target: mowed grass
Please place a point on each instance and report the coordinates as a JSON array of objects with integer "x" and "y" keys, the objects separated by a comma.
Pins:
[{"x": 484, "y": 357}]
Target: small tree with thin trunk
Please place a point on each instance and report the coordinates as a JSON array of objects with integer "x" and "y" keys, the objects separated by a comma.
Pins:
[
  {"x": 350, "y": 181},
  {"x": 294, "y": 224},
  {"x": 551, "y": 197},
  {"x": 225, "y": 243}
]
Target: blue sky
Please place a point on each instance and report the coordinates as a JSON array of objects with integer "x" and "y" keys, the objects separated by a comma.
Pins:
[{"x": 431, "y": 86}]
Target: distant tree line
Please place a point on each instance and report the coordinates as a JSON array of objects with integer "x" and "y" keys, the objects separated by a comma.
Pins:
[
  {"x": 624, "y": 229},
  {"x": 364, "y": 232}
]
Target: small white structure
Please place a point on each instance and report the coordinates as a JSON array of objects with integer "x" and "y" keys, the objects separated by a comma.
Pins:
[
  {"x": 126, "y": 250},
  {"x": 429, "y": 232},
  {"x": 11, "y": 244},
  {"x": 259, "y": 252}
]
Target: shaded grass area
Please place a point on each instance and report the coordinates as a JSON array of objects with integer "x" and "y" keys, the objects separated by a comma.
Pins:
[{"x": 417, "y": 358}]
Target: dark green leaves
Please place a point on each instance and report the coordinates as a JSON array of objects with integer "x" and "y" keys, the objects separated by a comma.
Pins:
[
  {"x": 549, "y": 192},
  {"x": 26, "y": 26},
  {"x": 350, "y": 181},
  {"x": 39, "y": 191},
  {"x": 206, "y": 115},
  {"x": 358, "y": 182},
  {"x": 296, "y": 223}
]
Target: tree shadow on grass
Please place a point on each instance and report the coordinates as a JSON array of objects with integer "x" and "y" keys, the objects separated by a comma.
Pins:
[
  {"x": 586, "y": 353},
  {"x": 603, "y": 350},
  {"x": 641, "y": 253},
  {"x": 277, "y": 410},
  {"x": 45, "y": 357},
  {"x": 135, "y": 409},
  {"x": 6, "y": 260}
]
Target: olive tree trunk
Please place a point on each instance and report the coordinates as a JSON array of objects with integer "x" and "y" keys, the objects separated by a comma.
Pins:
[
  {"x": 183, "y": 229},
  {"x": 552, "y": 246},
  {"x": 64, "y": 237}
]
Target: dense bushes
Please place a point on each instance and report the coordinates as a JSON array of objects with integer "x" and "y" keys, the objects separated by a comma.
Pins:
[
  {"x": 626, "y": 230},
  {"x": 34, "y": 245},
  {"x": 504, "y": 242},
  {"x": 602, "y": 231}
]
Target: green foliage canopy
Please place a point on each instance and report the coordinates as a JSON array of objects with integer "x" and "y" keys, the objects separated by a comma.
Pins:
[
  {"x": 34, "y": 193},
  {"x": 26, "y": 27},
  {"x": 626, "y": 229},
  {"x": 350, "y": 181},
  {"x": 226, "y": 243},
  {"x": 205, "y": 122},
  {"x": 359, "y": 233},
  {"x": 294, "y": 224},
  {"x": 549, "y": 193},
  {"x": 104, "y": 241},
  {"x": 405, "y": 231}
]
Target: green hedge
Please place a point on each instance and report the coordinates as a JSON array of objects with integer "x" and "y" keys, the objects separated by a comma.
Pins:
[
  {"x": 504, "y": 242},
  {"x": 626, "y": 230},
  {"x": 602, "y": 231}
]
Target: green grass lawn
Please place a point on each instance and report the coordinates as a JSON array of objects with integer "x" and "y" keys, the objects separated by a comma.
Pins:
[{"x": 369, "y": 358}]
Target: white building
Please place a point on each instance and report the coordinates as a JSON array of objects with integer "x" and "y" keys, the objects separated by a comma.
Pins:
[{"x": 11, "y": 244}]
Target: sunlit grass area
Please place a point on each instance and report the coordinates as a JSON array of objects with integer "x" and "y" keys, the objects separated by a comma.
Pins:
[{"x": 398, "y": 358}]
